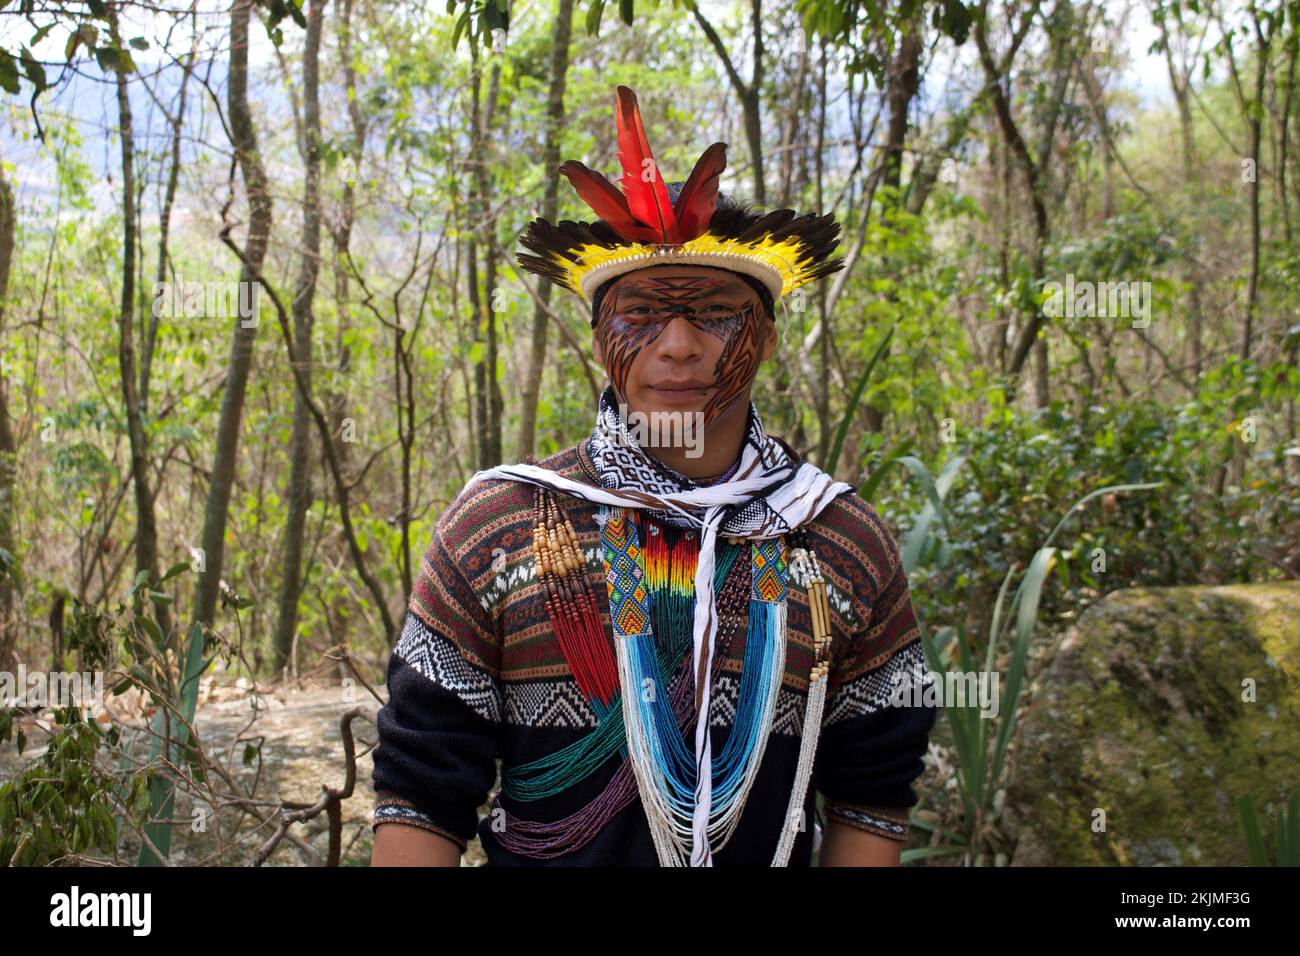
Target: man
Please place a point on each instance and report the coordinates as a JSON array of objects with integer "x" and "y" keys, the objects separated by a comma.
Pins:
[{"x": 671, "y": 646}]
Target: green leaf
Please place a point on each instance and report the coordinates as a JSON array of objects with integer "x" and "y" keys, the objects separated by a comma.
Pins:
[
  {"x": 916, "y": 539},
  {"x": 107, "y": 58},
  {"x": 8, "y": 73},
  {"x": 867, "y": 492},
  {"x": 141, "y": 579},
  {"x": 155, "y": 632},
  {"x": 1250, "y": 826},
  {"x": 35, "y": 72},
  {"x": 594, "y": 13},
  {"x": 1088, "y": 497},
  {"x": 174, "y": 570},
  {"x": 922, "y": 853},
  {"x": 834, "y": 458},
  {"x": 1031, "y": 589}
]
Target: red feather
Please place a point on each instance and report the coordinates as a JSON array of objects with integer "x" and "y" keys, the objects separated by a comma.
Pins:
[
  {"x": 699, "y": 196},
  {"x": 606, "y": 202},
  {"x": 647, "y": 200}
]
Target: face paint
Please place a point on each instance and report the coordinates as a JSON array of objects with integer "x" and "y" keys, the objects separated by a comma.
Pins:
[
  {"x": 637, "y": 310},
  {"x": 738, "y": 363}
]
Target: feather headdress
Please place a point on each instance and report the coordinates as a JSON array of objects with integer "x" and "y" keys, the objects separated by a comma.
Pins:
[{"x": 641, "y": 226}]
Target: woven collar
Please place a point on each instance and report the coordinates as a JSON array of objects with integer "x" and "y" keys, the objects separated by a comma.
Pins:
[{"x": 622, "y": 465}]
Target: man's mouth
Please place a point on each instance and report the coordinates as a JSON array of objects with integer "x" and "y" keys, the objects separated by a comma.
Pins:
[{"x": 684, "y": 388}]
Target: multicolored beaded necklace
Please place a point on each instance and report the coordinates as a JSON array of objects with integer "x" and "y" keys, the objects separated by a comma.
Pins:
[
  {"x": 664, "y": 763},
  {"x": 650, "y": 585}
]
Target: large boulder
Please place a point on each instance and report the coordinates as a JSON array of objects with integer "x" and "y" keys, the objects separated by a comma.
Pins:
[{"x": 1160, "y": 707}]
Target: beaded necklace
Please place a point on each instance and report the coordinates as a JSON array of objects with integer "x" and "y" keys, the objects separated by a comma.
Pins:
[
  {"x": 664, "y": 763},
  {"x": 558, "y": 771},
  {"x": 650, "y": 585}
]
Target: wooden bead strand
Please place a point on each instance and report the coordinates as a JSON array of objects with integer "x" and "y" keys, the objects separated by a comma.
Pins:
[{"x": 571, "y": 602}]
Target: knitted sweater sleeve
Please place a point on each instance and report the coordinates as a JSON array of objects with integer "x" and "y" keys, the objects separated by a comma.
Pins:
[
  {"x": 870, "y": 751},
  {"x": 436, "y": 758}
]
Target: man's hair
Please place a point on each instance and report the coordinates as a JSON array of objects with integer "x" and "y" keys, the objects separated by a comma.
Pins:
[{"x": 725, "y": 204}]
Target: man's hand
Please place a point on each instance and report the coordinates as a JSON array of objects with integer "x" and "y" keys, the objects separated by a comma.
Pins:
[
  {"x": 399, "y": 844},
  {"x": 843, "y": 845}
]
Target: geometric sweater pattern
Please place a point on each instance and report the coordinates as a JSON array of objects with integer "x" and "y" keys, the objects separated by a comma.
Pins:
[{"x": 478, "y": 680}]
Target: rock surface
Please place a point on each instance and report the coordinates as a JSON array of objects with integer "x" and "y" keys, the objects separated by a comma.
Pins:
[{"x": 1160, "y": 708}]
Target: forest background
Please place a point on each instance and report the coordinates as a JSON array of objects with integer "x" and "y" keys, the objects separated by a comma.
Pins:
[{"x": 260, "y": 317}]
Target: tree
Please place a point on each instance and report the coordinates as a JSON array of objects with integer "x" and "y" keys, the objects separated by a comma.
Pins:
[
  {"x": 300, "y": 491},
  {"x": 244, "y": 140}
]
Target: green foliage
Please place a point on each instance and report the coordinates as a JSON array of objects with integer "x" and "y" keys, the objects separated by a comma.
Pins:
[
  {"x": 19, "y": 65},
  {"x": 171, "y": 743},
  {"x": 61, "y": 805},
  {"x": 1020, "y": 469},
  {"x": 72, "y": 802},
  {"x": 1285, "y": 837},
  {"x": 857, "y": 26},
  {"x": 855, "y": 400},
  {"x": 277, "y": 11},
  {"x": 10, "y": 567},
  {"x": 980, "y": 741}
]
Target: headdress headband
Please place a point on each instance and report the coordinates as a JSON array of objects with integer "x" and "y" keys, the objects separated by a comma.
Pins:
[{"x": 641, "y": 226}]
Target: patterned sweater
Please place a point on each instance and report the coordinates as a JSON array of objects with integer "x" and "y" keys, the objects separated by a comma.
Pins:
[{"x": 478, "y": 675}]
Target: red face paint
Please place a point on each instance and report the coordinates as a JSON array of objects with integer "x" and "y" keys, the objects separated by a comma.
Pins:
[{"x": 722, "y": 361}]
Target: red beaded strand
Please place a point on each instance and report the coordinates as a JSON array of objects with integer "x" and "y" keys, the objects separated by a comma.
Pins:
[{"x": 570, "y": 602}]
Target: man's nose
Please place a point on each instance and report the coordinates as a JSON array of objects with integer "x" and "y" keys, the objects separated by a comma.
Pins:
[{"x": 680, "y": 338}]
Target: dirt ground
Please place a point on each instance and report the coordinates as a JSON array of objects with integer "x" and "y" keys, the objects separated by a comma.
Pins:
[{"x": 297, "y": 726}]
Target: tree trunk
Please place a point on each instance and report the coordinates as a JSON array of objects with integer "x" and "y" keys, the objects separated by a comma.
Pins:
[
  {"x": 750, "y": 94},
  {"x": 1034, "y": 174},
  {"x": 1179, "y": 82},
  {"x": 146, "y": 529},
  {"x": 1252, "y": 282},
  {"x": 8, "y": 447},
  {"x": 487, "y": 389},
  {"x": 244, "y": 138},
  {"x": 300, "y": 491},
  {"x": 341, "y": 235},
  {"x": 561, "y": 33}
]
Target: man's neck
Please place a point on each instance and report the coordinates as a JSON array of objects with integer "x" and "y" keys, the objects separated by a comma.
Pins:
[{"x": 722, "y": 441}]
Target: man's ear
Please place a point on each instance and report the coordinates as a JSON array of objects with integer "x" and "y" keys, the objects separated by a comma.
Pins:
[
  {"x": 769, "y": 341},
  {"x": 597, "y": 348}
]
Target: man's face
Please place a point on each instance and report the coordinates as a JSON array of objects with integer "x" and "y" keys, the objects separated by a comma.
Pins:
[{"x": 683, "y": 339}]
